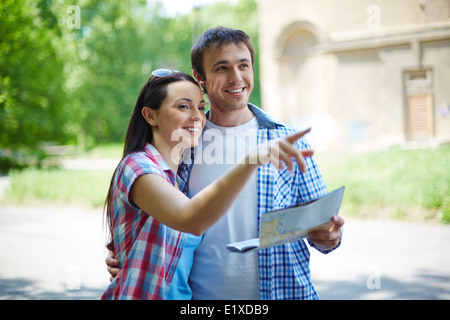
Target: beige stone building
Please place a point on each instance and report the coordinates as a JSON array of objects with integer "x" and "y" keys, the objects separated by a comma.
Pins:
[{"x": 364, "y": 73}]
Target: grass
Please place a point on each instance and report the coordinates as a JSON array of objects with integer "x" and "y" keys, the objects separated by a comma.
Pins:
[
  {"x": 59, "y": 186},
  {"x": 401, "y": 184},
  {"x": 397, "y": 184}
]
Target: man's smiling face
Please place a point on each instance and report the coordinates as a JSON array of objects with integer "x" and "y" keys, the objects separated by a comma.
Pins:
[{"x": 228, "y": 76}]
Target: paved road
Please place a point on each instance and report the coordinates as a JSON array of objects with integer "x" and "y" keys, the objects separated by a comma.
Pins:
[
  {"x": 51, "y": 253},
  {"x": 58, "y": 253},
  {"x": 386, "y": 260}
]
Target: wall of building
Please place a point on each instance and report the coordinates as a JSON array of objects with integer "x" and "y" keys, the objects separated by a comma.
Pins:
[{"x": 362, "y": 73}]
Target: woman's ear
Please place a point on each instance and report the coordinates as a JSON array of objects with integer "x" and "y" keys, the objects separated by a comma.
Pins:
[{"x": 149, "y": 116}]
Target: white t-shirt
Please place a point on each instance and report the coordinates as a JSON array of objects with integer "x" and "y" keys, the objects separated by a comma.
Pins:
[{"x": 218, "y": 273}]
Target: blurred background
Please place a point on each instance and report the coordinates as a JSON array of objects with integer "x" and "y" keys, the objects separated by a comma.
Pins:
[{"x": 372, "y": 78}]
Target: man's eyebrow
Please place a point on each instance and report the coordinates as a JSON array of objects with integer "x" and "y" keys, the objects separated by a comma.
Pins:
[
  {"x": 244, "y": 60},
  {"x": 220, "y": 62},
  {"x": 227, "y": 61}
]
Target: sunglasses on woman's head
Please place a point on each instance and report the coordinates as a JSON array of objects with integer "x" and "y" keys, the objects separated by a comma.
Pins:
[{"x": 163, "y": 72}]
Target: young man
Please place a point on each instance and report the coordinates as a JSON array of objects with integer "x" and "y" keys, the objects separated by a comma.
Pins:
[{"x": 222, "y": 61}]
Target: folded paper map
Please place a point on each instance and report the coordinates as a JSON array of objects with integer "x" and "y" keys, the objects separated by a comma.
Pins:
[{"x": 293, "y": 223}]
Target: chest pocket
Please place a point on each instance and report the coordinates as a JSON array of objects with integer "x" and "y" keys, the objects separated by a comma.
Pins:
[{"x": 285, "y": 189}]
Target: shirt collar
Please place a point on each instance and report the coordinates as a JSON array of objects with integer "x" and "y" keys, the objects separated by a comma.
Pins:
[
  {"x": 151, "y": 150},
  {"x": 264, "y": 120}
]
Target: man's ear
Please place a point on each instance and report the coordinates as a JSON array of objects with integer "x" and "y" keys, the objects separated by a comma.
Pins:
[
  {"x": 199, "y": 79},
  {"x": 149, "y": 116}
]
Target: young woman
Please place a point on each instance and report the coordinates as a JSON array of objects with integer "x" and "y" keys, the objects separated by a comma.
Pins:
[{"x": 150, "y": 219}]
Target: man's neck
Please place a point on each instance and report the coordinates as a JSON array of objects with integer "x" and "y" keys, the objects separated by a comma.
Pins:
[{"x": 230, "y": 118}]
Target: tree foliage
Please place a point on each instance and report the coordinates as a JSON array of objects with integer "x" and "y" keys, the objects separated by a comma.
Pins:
[
  {"x": 31, "y": 77},
  {"x": 72, "y": 81}
]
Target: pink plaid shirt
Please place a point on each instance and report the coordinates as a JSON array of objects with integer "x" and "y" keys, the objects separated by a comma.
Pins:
[{"x": 147, "y": 250}]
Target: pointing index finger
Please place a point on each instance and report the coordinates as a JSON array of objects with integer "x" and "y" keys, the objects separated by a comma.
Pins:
[{"x": 294, "y": 137}]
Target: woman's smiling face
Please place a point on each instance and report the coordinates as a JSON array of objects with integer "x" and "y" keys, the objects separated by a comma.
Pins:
[{"x": 181, "y": 118}]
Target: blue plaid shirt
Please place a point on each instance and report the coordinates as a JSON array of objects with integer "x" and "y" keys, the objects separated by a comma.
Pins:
[{"x": 283, "y": 270}]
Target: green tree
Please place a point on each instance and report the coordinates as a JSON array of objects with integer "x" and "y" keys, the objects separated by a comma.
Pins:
[
  {"x": 71, "y": 73},
  {"x": 243, "y": 16},
  {"x": 31, "y": 79},
  {"x": 117, "y": 46}
]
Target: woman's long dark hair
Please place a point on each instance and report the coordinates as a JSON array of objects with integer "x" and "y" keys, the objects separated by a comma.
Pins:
[{"x": 139, "y": 132}]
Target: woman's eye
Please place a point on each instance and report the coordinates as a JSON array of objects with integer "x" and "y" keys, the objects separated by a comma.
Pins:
[{"x": 183, "y": 106}]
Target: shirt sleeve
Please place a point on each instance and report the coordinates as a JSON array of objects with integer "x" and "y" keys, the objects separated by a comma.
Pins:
[{"x": 132, "y": 168}]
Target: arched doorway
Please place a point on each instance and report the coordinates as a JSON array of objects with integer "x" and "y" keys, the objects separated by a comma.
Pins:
[{"x": 301, "y": 71}]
